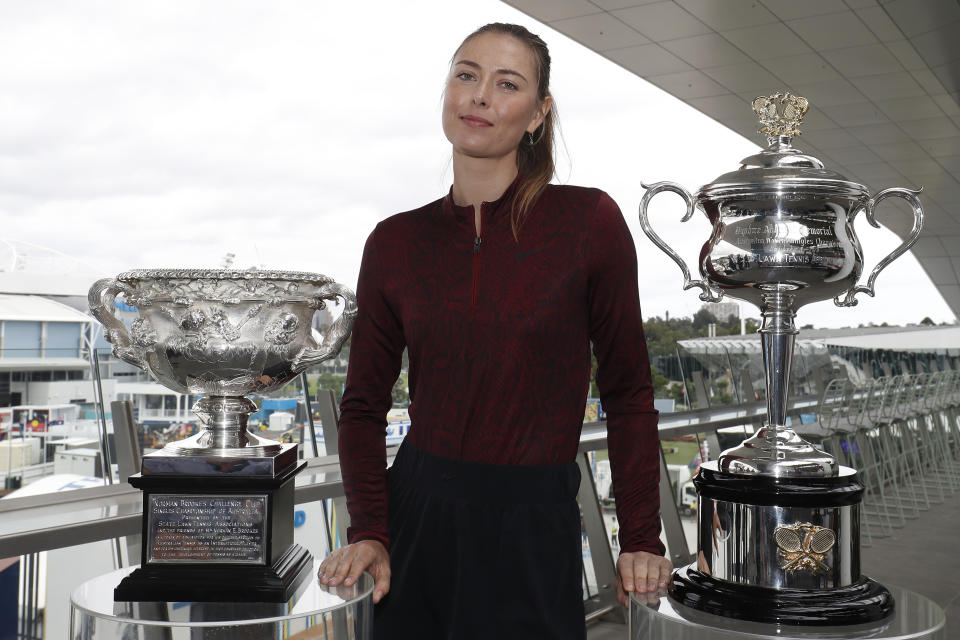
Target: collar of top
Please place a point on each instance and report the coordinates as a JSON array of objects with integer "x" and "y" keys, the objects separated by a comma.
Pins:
[{"x": 495, "y": 208}]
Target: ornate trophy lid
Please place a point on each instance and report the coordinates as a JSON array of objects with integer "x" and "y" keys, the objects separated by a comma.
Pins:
[
  {"x": 222, "y": 274},
  {"x": 780, "y": 168},
  {"x": 184, "y": 286}
]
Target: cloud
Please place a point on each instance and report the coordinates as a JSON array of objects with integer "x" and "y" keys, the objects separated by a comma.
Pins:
[{"x": 169, "y": 134}]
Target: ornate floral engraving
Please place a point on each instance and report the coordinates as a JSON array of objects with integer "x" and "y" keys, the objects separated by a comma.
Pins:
[
  {"x": 142, "y": 333},
  {"x": 185, "y": 286},
  {"x": 282, "y": 330}
]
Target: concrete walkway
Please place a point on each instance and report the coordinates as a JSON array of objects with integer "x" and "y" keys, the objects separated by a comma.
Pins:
[{"x": 922, "y": 556}]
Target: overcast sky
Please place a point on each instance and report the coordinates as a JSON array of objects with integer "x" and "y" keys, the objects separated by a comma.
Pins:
[{"x": 168, "y": 134}]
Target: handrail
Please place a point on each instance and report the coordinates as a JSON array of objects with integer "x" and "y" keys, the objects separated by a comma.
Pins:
[
  {"x": 36, "y": 523},
  {"x": 49, "y": 521},
  {"x": 53, "y": 520}
]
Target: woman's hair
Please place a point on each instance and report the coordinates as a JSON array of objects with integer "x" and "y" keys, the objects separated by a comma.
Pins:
[{"x": 534, "y": 161}]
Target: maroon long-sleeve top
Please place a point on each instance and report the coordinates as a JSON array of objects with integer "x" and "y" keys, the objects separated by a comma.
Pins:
[{"x": 499, "y": 334}]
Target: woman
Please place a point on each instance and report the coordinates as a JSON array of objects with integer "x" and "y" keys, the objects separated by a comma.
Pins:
[{"x": 497, "y": 291}]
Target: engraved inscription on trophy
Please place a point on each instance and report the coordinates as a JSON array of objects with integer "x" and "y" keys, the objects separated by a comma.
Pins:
[{"x": 210, "y": 528}]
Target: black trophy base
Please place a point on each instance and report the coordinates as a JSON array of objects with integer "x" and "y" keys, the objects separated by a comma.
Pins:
[
  {"x": 224, "y": 537},
  {"x": 863, "y": 601},
  {"x": 278, "y": 582}
]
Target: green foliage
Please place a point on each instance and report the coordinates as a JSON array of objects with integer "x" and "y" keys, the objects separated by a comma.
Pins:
[
  {"x": 663, "y": 334},
  {"x": 703, "y": 318},
  {"x": 331, "y": 381},
  {"x": 675, "y": 391},
  {"x": 399, "y": 392},
  {"x": 660, "y": 382},
  {"x": 679, "y": 451}
]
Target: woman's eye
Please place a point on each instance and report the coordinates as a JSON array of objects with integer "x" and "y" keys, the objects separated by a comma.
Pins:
[
  {"x": 508, "y": 85},
  {"x": 463, "y": 75}
]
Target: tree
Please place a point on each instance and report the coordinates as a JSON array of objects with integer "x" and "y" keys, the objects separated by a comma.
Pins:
[
  {"x": 927, "y": 322},
  {"x": 660, "y": 382},
  {"x": 399, "y": 392},
  {"x": 703, "y": 318},
  {"x": 676, "y": 391},
  {"x": 331, "y": 381},
  {"x": 725, "y": 397}
]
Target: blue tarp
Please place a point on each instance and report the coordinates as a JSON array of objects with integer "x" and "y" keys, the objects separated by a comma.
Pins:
[{"x": 279, "y": 404}]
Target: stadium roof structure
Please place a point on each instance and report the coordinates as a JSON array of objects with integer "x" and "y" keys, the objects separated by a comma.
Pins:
[
  {"x": 27, "y": 268},
  {"x": 943, "y": 339},
  {"x": 882, "y": 76},
  {"x": 29, "y": 308}
]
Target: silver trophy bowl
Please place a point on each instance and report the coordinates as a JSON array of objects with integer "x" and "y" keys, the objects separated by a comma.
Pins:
[
  {"x": 783, "y": 237},
  {"x": 222, "y": 334},
  {"x": 779, "y": 518}
]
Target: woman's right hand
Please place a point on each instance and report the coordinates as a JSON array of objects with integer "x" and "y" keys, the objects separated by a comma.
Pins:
[{"x": 344, "y": 565}]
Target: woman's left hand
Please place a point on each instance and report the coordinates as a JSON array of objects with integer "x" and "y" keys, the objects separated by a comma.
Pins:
[{"x": 641, "y": 572}]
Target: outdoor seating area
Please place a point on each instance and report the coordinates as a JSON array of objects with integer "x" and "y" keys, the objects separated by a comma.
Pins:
[{"x": 902, "y": 434}]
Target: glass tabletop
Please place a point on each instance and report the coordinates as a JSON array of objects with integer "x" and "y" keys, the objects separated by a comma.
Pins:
[
  {"x": 915, "y": 617},
  {"x": 94, "y": 599}
]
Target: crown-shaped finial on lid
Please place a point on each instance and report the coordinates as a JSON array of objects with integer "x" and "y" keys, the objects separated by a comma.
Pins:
[{"x": 780, "y": 114}]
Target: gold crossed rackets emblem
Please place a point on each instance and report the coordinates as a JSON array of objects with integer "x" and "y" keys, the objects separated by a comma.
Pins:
[{"x": 803, "y": 547}]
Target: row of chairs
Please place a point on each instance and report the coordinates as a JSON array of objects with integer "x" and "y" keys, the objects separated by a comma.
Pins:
[
  {"x": 845, "y": 404},
  {"x": 902, "y": 433}
]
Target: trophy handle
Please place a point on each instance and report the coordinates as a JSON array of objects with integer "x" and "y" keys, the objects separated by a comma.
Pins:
[
  {"x": 910, "y": 195},
  {"x": 100, "y": 299},
  {"x": 707, "y": 294},
  {"x": 339, "y": 332}
]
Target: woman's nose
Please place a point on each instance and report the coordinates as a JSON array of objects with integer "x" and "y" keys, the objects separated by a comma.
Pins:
[{"x": 480, "y": 97}]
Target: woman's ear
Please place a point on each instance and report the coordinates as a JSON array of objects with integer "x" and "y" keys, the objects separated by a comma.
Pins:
[{"x": 541, "y": 114}]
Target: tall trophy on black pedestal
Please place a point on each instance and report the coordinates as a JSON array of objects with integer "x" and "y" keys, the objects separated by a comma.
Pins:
[
  {"x": 218, "y": 507},
  {"x": 779, "y": 519}
]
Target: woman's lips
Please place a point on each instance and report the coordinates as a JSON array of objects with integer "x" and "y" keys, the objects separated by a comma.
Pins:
[{"x": 476, "y": 121}]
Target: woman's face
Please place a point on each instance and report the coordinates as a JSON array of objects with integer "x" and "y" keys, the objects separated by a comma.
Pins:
[{"x": 490, "y": 101}]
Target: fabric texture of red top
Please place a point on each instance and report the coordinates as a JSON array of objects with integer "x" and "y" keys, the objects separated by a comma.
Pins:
[{"x": 498, "y": 333}]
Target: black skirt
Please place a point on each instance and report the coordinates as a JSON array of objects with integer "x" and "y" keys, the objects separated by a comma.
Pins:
[{"x": 481, "y": 551}]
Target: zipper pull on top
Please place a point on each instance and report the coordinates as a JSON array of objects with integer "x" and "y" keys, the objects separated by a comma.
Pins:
[{"x": 476, "y": 244}]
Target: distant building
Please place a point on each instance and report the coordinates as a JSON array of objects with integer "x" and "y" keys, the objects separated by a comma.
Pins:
[
  {"x": 723, "y": 310},
  {"x": 323, "y": 320},
  {"x": 43, "y": 351},
  {"x": 47, "y": 336}
]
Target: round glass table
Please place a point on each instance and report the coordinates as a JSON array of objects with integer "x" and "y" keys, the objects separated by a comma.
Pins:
[
  {"x": 316, "y": 611},
  {"x": 657, "y": 617}
]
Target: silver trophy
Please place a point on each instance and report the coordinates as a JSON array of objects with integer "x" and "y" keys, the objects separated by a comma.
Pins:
[
  {"x": 224, "y": 497},
  {"x": 778, "y": 518}
]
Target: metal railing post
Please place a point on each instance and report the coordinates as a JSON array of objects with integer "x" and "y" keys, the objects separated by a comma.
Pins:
[
  {"x": 670, "y": 517},
  {"x": 604, "y": 569},
  {"x": 330, "y": 418}
]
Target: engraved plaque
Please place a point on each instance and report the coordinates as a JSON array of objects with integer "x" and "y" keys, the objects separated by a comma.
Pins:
[{"x": 206, "y": 528}]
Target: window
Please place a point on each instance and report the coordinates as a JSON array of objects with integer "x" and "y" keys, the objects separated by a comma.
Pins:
[
  {"x": 63, "y": 340},
  {"x": 21, "y": 339}
]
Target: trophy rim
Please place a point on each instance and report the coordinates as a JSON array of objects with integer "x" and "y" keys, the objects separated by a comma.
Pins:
[
  {"x": 224, "y": 274},
  {"x": 783, "y": 186}
]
